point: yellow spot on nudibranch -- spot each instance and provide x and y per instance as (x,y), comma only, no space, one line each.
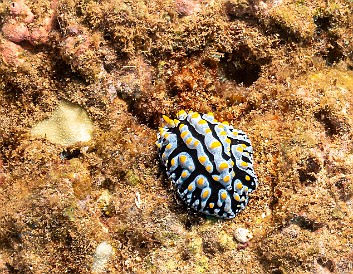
(208,168)
(236,197)
(181,113)
(210,114)
(200,181)
(226,179)
(202,122)
(188,141)
(190,187)
(205,194)
(240,149)
(208,130)
(223,133)
(181,126)
(211,205)
(223,166)
(169,146)
(184,174)
(226,123)
(195,115)
(172,162)
(244,145)
(169,121)
(183,134)
(247,177)
(228,141)
(239,185)
(224,195)
(215,144)
(202,159)
(182,159)
(244,164)
(196,143)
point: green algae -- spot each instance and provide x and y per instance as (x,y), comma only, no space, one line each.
(70,213)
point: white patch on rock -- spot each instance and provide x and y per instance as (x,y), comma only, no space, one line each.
(101,257)
(67,125)
(242,235)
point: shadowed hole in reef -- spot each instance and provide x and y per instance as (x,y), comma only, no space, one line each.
(277,271)
(235,68)
(326,263)
(70,154)
(333,125)
(306,223)
(322,24)
(344,189)
(333,52)
(308,170)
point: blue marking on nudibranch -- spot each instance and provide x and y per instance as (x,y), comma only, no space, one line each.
(209,163)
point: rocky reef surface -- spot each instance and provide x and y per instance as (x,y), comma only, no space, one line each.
(89,195)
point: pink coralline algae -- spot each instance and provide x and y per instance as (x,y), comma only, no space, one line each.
(78,48)
(15,31)
(16,26)
(10,53)
(40,35)
(20,10)
(20,25)
(76,45)
(186,7)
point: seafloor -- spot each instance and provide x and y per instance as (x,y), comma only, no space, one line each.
(282,71)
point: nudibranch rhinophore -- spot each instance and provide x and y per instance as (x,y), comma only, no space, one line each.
(209,163)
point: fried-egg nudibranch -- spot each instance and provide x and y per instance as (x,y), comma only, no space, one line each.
(209,163)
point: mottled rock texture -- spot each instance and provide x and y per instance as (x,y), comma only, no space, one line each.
(279,70)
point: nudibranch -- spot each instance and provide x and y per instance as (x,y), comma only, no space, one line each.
(209,163)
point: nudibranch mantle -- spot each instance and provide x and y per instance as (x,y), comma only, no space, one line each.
(209,163)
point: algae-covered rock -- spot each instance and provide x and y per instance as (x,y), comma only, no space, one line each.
(281,71)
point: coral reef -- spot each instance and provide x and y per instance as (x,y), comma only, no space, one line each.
(279,70)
